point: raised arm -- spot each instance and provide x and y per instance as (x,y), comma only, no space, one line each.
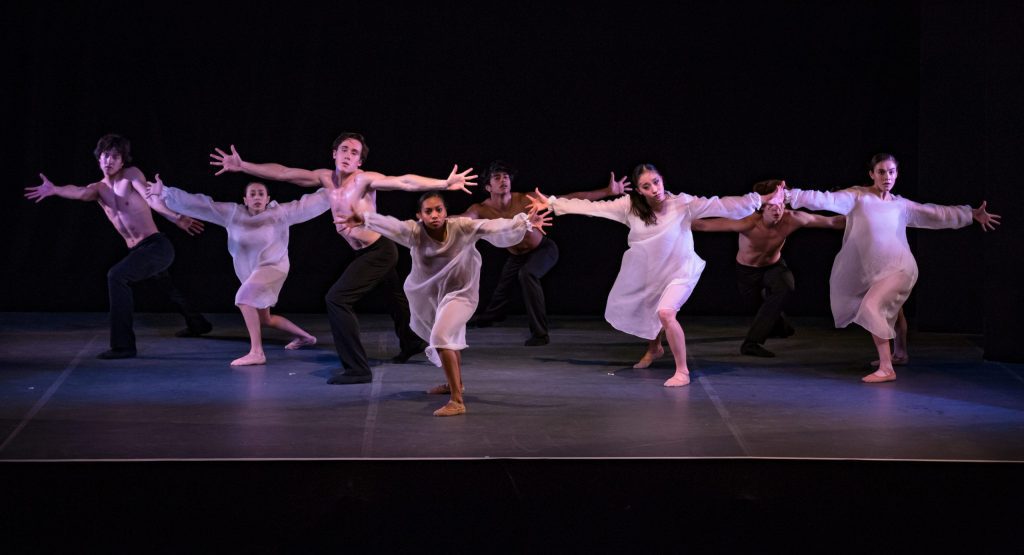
(307,207)
(456,181)
(193,205)
(138,181)
(614,188)
(840,202)
(617,209)
(233,163)
(73,192)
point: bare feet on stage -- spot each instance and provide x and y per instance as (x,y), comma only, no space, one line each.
(250,359)
(300,342)
(880,376)
(451,409)
(649,357)
(678,380)
(443,389)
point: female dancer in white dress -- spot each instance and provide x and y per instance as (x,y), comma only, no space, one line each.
(443,286)
(875,270)
(258,243)
(660,268)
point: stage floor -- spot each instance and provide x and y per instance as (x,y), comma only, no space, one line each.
(577,397)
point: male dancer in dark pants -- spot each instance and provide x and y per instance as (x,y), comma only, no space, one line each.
(123,196)
(528,261)
(354,190)
(761,273)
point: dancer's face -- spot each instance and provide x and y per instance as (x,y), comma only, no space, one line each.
(256,198)
(348,155)
(772,213)
(651,187)
(884,175)
(500,183)
(432,213)
(111,162)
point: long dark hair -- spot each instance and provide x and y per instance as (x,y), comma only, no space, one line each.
(638,204)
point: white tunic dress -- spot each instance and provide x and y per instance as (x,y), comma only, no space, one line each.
(660,268)
(875,271)
(443,286)
(258,244)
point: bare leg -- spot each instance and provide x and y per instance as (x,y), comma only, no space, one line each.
(302,337)
(654,351)
(252,322)
(899,344)
(451,361)
(885,373)
(677,344)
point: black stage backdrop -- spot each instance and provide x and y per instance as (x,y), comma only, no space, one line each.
(717,96)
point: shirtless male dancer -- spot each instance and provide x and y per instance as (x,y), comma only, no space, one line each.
(531,258)
(761,271)
(354,190)
(123,196)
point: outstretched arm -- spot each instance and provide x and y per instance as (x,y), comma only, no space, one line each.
(806,219)
(192,205)
(721,225)
(397,230)
(233,163)
(614,188)
(48,189)
(138,181)
(456,181)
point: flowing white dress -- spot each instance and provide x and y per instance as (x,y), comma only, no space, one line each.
(660,268)
(258,244)
(443,286)
(875,271)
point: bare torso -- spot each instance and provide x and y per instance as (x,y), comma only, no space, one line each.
(346,196)
(491,209)
(126,209)
(761,244)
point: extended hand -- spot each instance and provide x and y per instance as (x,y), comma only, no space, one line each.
(459,181)
(155,188)
(350,221)
(227,162)
(538,201)
(539,220)
(189,225)
(42,191)
(617,187)
(987,221)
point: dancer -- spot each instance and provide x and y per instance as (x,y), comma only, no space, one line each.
(660,268)
(530,259)
(258,243)
(761,272)
(443,286)
(121,193)
(875,271)
(351,189)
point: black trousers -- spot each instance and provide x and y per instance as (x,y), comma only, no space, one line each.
(765,289)
(152,256)
(373,266)
(526,270)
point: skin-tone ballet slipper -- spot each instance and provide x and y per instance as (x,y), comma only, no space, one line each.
(451,409)
(250,360)
(649,358)
(880,376)
(678,380)
(300,342)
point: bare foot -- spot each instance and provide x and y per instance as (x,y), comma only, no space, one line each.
(443,389)
(897,360)
(451,409)
(300,342)
(250,359)
(649,357)
(879,376)
(678,380)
